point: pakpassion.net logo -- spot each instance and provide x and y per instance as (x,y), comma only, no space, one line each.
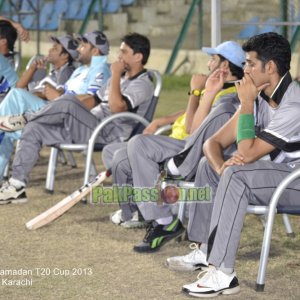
(169,195)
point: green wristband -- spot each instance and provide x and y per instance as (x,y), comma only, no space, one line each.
(246,129)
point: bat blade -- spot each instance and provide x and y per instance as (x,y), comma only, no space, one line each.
(61,207)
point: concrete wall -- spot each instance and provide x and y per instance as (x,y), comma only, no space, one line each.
(196,60)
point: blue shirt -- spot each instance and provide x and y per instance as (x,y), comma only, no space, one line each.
(88,79)
(8,76)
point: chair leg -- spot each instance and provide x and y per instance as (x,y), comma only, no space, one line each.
(93,170)
(264,255)
(88,164)
(181,209)
(288,226)
(6,171)
(62,157)
(51,170)
(71,159)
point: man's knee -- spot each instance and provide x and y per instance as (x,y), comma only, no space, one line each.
(31,132)
(120,162)
(107,156)
(203,166)
(236,172)
(12,95)
(136,143)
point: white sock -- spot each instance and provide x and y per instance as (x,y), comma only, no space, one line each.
(203,248)
(172,167)
(16,183)
(225,270)
(164,221)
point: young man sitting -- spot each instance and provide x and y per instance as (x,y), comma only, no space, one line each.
(266,124)
(84,81)
(69,120)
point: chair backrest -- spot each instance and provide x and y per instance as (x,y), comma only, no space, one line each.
(73,9)
(83,10)
(96,6)
(268,27)
(127,2)
(139,127)
(249,30)
(61,6)
(27,5)
(17,60)
(156,78)
(32,59)
(112,6)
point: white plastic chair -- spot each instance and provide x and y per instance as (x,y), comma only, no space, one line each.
(90,147)
(268,211)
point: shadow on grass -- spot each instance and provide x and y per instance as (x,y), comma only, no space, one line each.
(254,255)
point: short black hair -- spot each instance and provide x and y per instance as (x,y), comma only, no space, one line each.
(70,58)
(236,71)
(271,46)
(8,32)
(139,44)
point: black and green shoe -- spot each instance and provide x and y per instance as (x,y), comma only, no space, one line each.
(157,235)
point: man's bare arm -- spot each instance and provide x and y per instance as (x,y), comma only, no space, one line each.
(159,122)
(115,98)
(213,148)
(250,149)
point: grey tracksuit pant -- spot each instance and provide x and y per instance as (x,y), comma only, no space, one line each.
(232,192)
(146,152)
(115,158)
(62,121)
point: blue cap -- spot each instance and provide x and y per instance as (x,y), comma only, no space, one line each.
(231,50)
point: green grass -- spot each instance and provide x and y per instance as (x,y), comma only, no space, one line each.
(174,95)
(24,62)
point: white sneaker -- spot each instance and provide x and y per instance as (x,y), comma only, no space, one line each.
(134,222)
(11,194)
(195,260)
(12,123)
(116,217)
(211,283)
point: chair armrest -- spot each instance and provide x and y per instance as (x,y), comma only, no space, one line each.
(269,226)
(163,129)
(99,128)
(155,74)
(107,120)
(281,187)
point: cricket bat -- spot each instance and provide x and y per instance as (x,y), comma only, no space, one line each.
(61,207)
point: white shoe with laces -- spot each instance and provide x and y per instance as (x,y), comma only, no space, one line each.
(211,283)
(12,123)
(134,222)
(11,194)
(195,260)
(116,217)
